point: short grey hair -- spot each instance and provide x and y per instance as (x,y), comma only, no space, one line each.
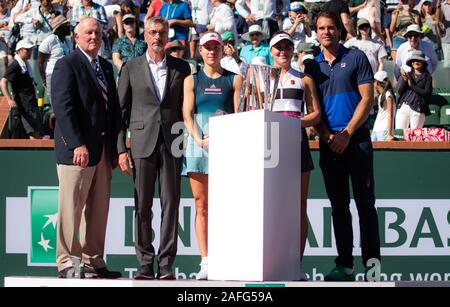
(157,19)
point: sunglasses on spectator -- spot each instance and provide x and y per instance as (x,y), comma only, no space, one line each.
(413,35)
(129,22)
(153,33)
(364,26)
(229,42)
(255,34)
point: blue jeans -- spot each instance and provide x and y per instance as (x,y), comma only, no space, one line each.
(355,163)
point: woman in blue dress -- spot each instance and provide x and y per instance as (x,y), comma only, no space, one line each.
(212,91)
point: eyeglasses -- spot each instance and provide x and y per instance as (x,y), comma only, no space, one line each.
(229,42)
(128,22)
(255,34)
(153,33)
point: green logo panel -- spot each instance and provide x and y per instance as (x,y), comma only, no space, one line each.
(44,212)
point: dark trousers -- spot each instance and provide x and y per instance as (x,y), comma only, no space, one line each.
(163,165)
(15,126)
(356,163)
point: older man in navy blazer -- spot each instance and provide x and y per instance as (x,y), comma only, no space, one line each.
(88,120)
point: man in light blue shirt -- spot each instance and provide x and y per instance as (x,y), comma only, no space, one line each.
(414,35)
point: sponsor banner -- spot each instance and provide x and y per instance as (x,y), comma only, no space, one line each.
(408,227)
(413,227)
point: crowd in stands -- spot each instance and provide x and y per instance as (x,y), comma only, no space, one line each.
(411,33)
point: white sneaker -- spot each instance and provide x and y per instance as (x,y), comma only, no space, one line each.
(203,274)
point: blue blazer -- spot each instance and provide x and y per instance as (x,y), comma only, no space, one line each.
(83,117)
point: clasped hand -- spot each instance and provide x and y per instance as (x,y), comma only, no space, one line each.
(338,142)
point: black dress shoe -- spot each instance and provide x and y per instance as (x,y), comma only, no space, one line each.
(145,272)
(166,273)
(101,273)
(71,272)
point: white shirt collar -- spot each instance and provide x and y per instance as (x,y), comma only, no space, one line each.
(87,55)
(410,48)
(151,62)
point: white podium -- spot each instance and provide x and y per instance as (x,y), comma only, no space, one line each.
(254,197)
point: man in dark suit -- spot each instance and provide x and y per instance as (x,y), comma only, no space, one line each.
(88,121)
(151,95)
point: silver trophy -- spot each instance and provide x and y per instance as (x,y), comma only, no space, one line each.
(257,89)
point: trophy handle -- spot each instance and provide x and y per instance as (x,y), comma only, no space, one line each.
(243,97)
(276,79)
(259,98)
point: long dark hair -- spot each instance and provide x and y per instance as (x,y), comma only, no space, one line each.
(387,86)
(424,70)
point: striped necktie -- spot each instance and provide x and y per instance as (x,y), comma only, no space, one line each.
(101,79)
